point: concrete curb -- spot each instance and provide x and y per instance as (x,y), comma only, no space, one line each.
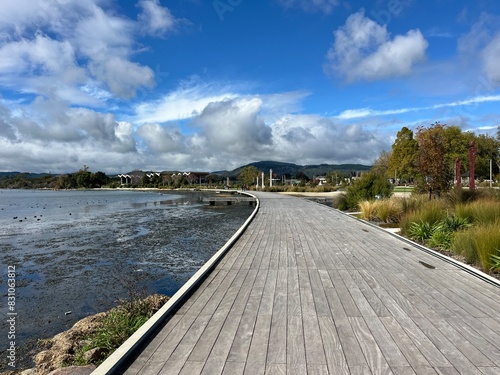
(120,356)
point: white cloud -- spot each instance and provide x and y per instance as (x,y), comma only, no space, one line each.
(80,42)
(187,101)
(57,126)
(491,60)
(163,139)
(311,139)
(324,6)
(350,114)
(483,41)
(121,76)
(155,19)
(234,126)
(363,50)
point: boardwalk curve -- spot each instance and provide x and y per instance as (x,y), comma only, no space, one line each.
(308,290)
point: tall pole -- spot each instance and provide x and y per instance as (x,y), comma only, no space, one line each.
(472,164)
(263,181)
(270,178)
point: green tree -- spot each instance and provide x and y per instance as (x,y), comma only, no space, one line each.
(248,175)
(381,165)
(487,148)
(457,146)
(402,162)
(435,173)
(99,179)
(302,177)
(370,186)
(66,181)
(145,181)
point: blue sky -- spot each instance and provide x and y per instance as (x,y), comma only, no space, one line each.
(211,85)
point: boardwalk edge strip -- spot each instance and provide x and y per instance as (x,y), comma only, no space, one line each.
(120,355)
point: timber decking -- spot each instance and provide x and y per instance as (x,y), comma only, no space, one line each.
(308,290)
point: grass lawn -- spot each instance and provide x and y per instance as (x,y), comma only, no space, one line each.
(403,189)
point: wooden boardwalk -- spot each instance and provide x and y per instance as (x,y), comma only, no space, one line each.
(307,290)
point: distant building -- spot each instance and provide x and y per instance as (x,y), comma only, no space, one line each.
(321,180)
(134,177)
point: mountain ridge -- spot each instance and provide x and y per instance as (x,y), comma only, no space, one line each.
(291,169)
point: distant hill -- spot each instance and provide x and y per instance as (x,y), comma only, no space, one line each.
(293,169)
(25,174)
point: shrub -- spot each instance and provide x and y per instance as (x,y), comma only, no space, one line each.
(340,203)
(421,230)
(367,187)
(457,196)
(441,237)
(455,223)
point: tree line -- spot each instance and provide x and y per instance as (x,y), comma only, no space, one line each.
(427,158)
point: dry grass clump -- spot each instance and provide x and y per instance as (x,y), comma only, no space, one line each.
(382,210)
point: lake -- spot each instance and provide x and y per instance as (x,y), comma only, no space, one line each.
(77,252)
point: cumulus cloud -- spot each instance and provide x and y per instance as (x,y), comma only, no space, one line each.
(324,6)
(309,139)
(83,44)
(162,139)
(155,19)
(233,126)
(364,50)
(50,133)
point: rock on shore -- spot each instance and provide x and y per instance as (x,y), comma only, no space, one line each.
(60,350)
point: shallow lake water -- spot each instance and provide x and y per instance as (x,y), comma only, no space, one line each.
(77,252)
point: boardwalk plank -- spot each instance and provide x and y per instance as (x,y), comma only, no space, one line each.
(277,336)
(374,357)
(335,357)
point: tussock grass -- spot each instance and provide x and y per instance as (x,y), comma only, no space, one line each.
(367,209)
(389,210)
(383,210)
(480,212)
(478,244)
(431,213)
